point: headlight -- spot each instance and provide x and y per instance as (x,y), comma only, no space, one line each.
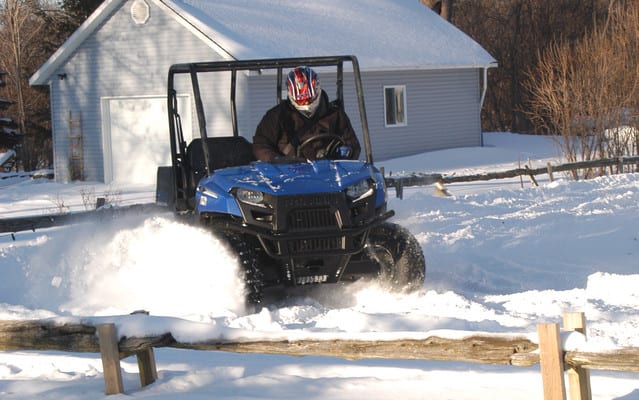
(249,196)
(359,190)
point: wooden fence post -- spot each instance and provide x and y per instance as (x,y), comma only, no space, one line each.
(521,180)
(620,165)
(531,176)
(146,361)
(578,378)
(146,365)
(108,340)
(551,361)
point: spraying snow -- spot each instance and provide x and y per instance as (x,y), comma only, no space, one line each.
(155,264)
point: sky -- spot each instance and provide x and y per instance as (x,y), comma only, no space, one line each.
(501,257)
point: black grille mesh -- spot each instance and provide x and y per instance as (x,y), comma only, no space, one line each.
(312,218)
(318,244)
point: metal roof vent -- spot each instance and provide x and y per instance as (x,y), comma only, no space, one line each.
(140,12)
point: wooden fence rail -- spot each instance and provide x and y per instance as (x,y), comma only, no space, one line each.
(476,347)
(31,223)
(418,179)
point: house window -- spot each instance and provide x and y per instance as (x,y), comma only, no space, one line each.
(395,105)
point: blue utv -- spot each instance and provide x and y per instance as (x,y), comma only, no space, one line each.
(305,222)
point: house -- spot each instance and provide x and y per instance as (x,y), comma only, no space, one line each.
(424,80)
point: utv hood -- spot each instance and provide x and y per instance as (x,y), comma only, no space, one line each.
(290,179)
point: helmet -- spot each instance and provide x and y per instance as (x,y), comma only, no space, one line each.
(304,90)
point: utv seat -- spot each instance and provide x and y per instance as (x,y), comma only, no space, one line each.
(224,152)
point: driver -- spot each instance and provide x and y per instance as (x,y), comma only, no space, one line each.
(306,113)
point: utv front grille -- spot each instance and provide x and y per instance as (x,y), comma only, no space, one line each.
(320,211)
(296,246)
(316,223)
(312,218)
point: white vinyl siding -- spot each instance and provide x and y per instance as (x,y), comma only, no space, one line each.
(443,106)
(119,59)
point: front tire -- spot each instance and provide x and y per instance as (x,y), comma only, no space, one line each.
(249,269)
(402,267)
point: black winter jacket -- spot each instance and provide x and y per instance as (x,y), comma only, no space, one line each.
(283,129)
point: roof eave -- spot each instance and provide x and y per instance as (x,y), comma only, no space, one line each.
(482,65)
(197,28)
(43,75)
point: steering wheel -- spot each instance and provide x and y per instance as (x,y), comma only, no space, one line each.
(335,141)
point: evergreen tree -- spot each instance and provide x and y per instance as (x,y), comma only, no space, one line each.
(9,137)
(77,11)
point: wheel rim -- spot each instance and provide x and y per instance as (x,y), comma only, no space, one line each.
(384,258)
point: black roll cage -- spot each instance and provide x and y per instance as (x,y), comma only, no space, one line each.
(178,145)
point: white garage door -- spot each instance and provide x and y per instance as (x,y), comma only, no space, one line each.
(136,137)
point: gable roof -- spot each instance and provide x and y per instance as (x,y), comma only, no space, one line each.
(383,34)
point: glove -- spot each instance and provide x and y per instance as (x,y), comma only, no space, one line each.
(287,160)
(343,152)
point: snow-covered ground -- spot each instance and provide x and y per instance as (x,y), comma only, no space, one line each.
(502,256)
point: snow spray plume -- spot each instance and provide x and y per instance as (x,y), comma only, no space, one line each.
(155,264)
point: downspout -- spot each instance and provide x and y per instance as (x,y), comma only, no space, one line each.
(484,88)
(483,94)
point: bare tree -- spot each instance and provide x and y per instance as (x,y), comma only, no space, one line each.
(586,93)
(30,31)
(514,31)
(22,29)
(16,17)
(441,7)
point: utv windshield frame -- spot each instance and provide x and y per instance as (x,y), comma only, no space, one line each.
(178,144)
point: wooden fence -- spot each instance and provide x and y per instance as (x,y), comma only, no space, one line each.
(417,179)
(475,347)
(33,222)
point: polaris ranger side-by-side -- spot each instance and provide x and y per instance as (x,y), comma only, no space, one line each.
(292,223)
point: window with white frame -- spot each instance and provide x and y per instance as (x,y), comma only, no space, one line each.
(395,105)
